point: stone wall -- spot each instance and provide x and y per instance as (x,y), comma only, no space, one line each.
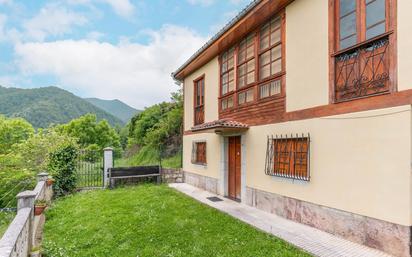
(388,237)
(172,175)
(203,182)
(20,236)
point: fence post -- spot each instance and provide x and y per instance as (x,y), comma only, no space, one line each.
(107,164)
(42,176)
(25,199)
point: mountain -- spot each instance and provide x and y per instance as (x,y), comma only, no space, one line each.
(115,107)
(48,105)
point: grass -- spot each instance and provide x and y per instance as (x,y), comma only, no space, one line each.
(149,156)
(5,219)
(151,220)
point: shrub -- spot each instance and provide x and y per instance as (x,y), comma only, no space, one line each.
(62,166)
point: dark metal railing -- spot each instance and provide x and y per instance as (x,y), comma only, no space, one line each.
(89,169)
(288,156)
(362,71)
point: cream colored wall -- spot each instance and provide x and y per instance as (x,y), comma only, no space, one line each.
(404,44)
(306,54)
(213,154)
(211,71)
(359,163)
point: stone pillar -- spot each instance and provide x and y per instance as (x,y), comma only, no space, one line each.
(25,199)
(108,164)
(42,176)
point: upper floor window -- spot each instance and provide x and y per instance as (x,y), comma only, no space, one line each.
(253,69)
(246,62)
(199,111)
(360,20)
(227,73)
(270,57)
(362,49)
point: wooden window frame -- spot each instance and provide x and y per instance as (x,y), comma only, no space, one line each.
(240,63)
(257,53)
(334,41)
(221,74)
(197,106)
(288,157)
(195,153)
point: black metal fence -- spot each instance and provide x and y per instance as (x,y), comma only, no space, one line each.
(90,169)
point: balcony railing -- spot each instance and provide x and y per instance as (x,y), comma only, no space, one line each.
(362,71)
(199,115)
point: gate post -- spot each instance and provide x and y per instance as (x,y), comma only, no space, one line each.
(107,164)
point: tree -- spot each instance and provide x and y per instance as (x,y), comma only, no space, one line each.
(89,131)
(13,131)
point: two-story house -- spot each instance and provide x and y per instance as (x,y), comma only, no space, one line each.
(303,109)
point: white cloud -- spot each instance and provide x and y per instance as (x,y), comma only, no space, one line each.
(123,8)
(52,20)
(3,20)
(6,1)
(138,74)
(95,35)
(201,2)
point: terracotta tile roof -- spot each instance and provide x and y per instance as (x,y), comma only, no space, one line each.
(220,124)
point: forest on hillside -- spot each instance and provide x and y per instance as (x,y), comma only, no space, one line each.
(46,106)
(152,135)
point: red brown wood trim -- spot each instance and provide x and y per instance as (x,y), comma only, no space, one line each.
(366,104)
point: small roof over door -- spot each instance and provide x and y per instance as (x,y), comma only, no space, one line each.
(222,126)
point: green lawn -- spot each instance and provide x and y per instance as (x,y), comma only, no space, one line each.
(5,219)
(150,220)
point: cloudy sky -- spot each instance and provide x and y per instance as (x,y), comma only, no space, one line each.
(124,49)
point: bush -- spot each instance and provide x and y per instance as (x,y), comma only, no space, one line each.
(62,166)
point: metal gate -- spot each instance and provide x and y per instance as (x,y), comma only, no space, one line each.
(90,169)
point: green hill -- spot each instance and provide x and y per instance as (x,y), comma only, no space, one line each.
(48,105)
(115,107)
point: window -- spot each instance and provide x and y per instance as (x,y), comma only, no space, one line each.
(360,20)
(270,89)
(254,68)
(199,100)
(227,74)
(246,96)
(199,153)
(270,58)
(362,62)
(288,157)
(227,103)
(246,62)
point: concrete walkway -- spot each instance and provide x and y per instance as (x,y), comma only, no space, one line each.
(312,240)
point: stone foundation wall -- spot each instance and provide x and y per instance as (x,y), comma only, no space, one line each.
(203,182)
(385,236)
(172,175)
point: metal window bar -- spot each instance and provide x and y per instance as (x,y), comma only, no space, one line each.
(288,156)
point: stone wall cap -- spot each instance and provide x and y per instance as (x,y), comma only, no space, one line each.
(108,149)
(43,174)
(26,194)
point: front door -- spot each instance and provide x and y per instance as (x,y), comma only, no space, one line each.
(234,167)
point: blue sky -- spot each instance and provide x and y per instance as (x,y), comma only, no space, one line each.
(124,49)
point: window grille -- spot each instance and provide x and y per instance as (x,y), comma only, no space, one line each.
(288,157)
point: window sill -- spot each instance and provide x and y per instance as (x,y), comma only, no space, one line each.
(200,164)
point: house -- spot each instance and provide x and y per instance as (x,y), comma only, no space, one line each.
(303,109)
